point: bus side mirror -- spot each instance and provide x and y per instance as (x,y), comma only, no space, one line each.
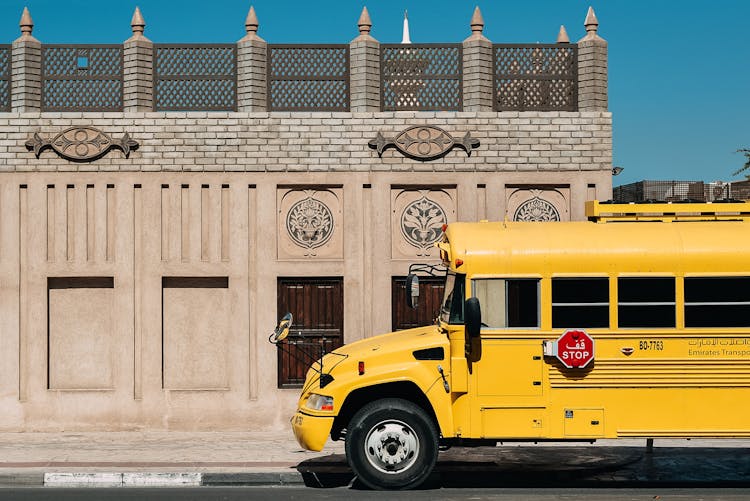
(412,291)
(282,330)
(472,317)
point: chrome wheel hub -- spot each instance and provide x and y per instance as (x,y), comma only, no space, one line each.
(391,446)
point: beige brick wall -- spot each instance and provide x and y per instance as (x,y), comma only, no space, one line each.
(307,142)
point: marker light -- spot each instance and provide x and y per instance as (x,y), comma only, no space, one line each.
(361,368)
(319,403)
(444,227)
(459,262)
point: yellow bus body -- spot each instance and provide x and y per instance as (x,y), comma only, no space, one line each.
(675,381)
(696,384)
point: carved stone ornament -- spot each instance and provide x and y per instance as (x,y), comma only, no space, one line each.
(422,223)
(309,223)
(536,209)
(423,142)
(81,144)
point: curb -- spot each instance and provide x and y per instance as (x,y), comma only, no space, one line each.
(106,479)
(255,478)
(21,479)
(149,479)
(164,479)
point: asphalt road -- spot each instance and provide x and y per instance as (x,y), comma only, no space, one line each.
(346,493)
(538,473)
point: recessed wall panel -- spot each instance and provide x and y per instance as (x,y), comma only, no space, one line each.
(81,333)
(196,321)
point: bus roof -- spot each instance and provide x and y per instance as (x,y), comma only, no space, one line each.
(587,248)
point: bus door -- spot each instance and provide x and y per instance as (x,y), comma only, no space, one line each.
(507,366)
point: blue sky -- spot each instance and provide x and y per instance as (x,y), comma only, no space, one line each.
(679,72)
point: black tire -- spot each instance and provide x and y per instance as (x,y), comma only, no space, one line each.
(392,444)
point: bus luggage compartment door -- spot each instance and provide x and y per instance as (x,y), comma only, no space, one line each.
(584,422)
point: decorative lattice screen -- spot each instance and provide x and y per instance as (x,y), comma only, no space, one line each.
(308,77)
(82,77)
(196,77)
(5,77)
(421,77)
(667,191)
(540,77)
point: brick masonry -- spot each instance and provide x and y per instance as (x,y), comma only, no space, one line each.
(330,142)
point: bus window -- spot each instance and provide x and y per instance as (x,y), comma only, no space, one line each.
(580,302)
(452,311)
(646,301)
(717,302)
(508,302)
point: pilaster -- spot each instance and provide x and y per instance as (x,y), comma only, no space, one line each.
(138,71)
(26,71)
(478,67)
(252,54)
(364,54)
(592,68)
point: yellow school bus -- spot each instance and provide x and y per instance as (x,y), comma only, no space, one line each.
(635,323)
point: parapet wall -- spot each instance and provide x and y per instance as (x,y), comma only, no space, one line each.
(253,76)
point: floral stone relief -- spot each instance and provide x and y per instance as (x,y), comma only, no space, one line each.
(534,204)
(310,223)
(420,216)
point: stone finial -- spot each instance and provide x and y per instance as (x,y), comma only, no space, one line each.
(137,24)
(364,22)
(251,22)
(477,26)
(562,36)
(365,25)
(26,23)
(477,22)
(251,26)
(592,25)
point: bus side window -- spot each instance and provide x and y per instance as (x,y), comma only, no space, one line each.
(646,302)
(580,302)
(508,303)
(717,301)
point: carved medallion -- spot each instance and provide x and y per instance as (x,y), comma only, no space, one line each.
(536,209)
(423,142)
(422,222)
(309,223)
(81,144)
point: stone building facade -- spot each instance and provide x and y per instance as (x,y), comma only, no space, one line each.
(146,253)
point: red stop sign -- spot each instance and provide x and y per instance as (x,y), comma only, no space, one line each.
(575,349)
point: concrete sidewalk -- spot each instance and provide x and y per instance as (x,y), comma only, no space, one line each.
(209,449)
(167,457)
(274,458)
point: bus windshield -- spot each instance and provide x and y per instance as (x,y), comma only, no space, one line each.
(452,309)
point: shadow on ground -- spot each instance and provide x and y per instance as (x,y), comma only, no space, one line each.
(541,467)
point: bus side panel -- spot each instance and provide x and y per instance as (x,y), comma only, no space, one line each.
(658,384)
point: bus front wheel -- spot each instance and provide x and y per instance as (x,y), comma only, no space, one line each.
(392,444)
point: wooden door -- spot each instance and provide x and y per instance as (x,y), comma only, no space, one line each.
(430,297)
(317,305)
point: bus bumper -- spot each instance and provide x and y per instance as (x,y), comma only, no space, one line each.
(311,431)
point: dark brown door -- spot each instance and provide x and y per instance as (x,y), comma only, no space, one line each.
(317,305)
(430,296)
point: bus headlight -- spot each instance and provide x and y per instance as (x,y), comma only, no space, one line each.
(319,403)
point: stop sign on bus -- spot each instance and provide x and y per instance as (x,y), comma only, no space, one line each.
(575,349)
